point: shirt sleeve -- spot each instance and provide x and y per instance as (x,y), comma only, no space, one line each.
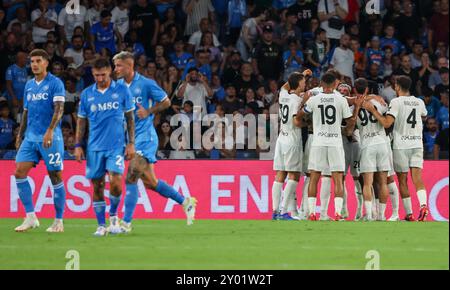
(423,108)
(59,93)
(82,112)
(393,109)
(128,100)
(155,92)
(346,112)
(309,106)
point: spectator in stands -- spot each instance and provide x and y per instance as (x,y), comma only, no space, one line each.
(289,30)
(201,63)
(267,59)
(74,54)
(441,145)
(231,66)
(332,14)
(406,70)
(21,19)
(249,33)
(93,13)
(435,78)
(389,40)
(408,23)
(343,58)
(293,58)
(104,35)
(231,103)
(68,22)
(120,17)
(196,37)
(416,55)
(196,10)
(317,52)
(431,102)
(439,26)
(44,20)
(16,78)
(442,114)
(430,135)
(207,43)
(245,80)
(145,20)
(6,127)
(179,57)
(444,86)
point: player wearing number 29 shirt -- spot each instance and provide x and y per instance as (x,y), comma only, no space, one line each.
(288,150)
(327,152)
(406,113)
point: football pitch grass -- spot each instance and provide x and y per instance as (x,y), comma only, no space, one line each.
(229,245)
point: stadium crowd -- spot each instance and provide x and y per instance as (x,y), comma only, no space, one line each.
(227,56)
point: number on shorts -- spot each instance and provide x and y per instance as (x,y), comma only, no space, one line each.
(54,158)
(119,160)
(328,114)
(412,119)
(284,112)
(356,164)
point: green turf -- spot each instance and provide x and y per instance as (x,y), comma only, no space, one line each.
(170,244)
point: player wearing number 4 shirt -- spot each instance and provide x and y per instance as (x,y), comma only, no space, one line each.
(41,125)
(406,113)
(329,110)
(288,151)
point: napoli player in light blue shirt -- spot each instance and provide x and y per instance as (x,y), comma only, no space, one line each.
(150,99)
(41,125)
(106,105)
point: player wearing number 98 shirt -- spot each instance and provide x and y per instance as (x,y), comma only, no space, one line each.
(327,153)
(41,125)
(406,113)
(288,150)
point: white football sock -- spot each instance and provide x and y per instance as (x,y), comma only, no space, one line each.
(422,196)
(305,206)
(338,202)
(395,197)
(325,192)
(368,207)
(312,205)
(359,198)
(344,205)
(276,195)
(408,206)
(288,195)
(382,212)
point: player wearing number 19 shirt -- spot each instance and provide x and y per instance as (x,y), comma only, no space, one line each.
(41,120)
(329,110)
(288,149)
(406,113)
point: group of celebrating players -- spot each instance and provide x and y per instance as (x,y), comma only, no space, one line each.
(104,108)
(349,130)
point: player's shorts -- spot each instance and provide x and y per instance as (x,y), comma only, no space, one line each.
(147,150)
(288,158)
(375,158)
(391,160)
(404,159)
(306,153)
(326,159)
(35,151)
(352,157)
(100,162)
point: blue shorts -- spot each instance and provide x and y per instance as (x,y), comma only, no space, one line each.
(100,162)
(34,152)
(147,150)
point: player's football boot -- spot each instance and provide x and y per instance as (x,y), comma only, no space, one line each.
(367,219)
(424,211)
(275,216)
(394,218)
(125,227)
(312,217)
(345,214)
(324,218)
(286,217)
(410,218)
(339,218)
(56,227)
(101,232)
(189,209)
(114,227)
(29,223)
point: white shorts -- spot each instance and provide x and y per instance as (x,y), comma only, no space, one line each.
(288,158)
(326,159)
(352,157)
(306,153)
(375,158)
(404,159)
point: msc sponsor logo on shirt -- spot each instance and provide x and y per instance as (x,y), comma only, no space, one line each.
(105,107)
(37,97)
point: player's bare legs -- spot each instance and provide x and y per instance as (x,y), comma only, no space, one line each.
(404,193)
(338,194)
(25,195)
(383,193)
(140,168)
(325,194)
(277,190)
(367,193)
(359,184)
(304,204)
(312,194)
(416,175)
